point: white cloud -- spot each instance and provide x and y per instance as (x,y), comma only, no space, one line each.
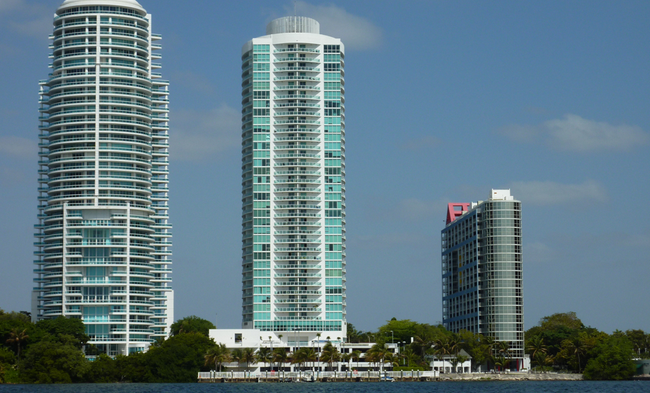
(200,135)
(551,193)
(18,147)
(574,133)
(357,33)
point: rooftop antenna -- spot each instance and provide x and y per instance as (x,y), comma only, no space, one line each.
(294,8)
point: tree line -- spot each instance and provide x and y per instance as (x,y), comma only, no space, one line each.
(52,351)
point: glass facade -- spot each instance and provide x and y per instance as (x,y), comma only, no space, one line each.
(293,181)
(482,273)
(103,248)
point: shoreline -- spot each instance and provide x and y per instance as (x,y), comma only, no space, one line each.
(510,377)
(468,377)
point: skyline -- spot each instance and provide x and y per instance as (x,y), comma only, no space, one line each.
(482,91)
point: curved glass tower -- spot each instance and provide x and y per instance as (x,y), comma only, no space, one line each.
(293,182)
(482,272)
(103,235)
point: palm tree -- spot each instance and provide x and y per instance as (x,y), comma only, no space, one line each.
(356,355)
(500,361)
(409,355)
(576,346)
(311,356)
(377,354)
(218,355)
(373,357)
(422,344)
(237,355)
(345,357)
(280,356)
(264,355)
(330,354)
(248,356)
(488,343)
(17,338)
(536,346)
(544,360)
(298,357)
(503,349)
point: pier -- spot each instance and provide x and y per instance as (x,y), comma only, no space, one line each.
(322,376)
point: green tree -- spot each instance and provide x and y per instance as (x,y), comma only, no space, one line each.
(53,362)
(377,354)
(65,330)
(576,346)
(459,359)
(638,338)
(248,356)
(299,357)
(17,339)
(178,359)
(503,353)
(330,354)
(536,346)
(280,356)
(102,370)
(612,360)
(264,355)
(217,355)
(237,355)
(355,356)
(353,334)
(191,324)
(398,330)
(568,319)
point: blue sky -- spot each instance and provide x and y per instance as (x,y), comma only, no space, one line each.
(444,101)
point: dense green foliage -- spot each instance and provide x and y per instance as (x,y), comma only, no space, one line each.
(611,359)
(191,324)
(562,342)
(52,351)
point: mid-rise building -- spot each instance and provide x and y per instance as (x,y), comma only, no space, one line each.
(482,287)
(293,182)
(103,248)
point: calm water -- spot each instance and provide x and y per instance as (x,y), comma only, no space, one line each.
(366,387)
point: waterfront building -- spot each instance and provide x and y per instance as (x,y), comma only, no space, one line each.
(482,289)
(293,182)
(103,249)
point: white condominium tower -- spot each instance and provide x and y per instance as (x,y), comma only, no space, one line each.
(103,237)
(293,182)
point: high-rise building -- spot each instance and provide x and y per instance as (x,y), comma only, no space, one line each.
(482,289)
(103,249)
(293,182)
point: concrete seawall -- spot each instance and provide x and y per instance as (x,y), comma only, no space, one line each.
(511,377)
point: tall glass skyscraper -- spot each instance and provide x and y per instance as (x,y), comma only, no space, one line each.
(103,248)
(293,182)
(482,283)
